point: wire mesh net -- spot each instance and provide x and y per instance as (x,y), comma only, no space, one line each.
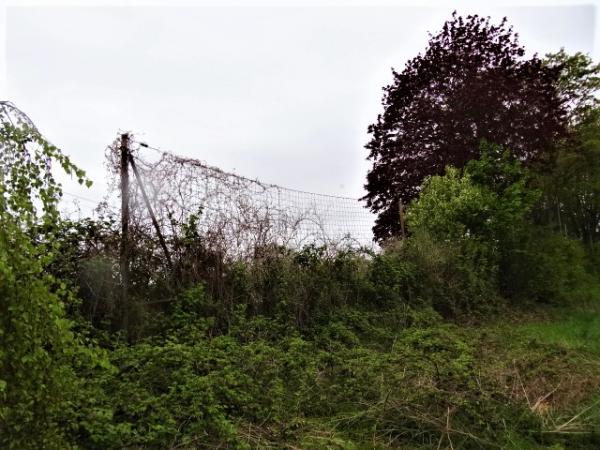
(239,215)
(11,115)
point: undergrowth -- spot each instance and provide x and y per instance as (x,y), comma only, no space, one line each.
(401,379)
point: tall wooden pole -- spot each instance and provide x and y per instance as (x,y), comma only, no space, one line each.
(124,254)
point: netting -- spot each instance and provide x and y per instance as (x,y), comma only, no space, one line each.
(240,215)
(11,115)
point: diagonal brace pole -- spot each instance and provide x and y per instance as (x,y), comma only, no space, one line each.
(151,211)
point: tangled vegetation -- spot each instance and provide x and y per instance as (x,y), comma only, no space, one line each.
(479,329)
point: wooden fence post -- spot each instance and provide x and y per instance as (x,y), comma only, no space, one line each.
(124,250)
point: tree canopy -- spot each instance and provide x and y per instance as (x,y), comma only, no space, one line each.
(473,82)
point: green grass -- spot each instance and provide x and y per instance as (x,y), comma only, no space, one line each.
(575,330)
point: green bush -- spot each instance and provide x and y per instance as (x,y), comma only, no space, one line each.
(300,288)
(199,391)
(475,241)
(546,267)
(37,381)
(456,280)
(40,355)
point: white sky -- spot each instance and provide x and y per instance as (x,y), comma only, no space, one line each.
(282,94)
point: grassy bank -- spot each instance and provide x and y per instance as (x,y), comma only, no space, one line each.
(403,379)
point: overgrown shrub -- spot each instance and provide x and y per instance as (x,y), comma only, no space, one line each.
(475,238)
(545,267)
(40,354)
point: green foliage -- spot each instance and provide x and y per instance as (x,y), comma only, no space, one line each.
(546,267)
(299,288)
(485,214)
(26,180)
(578,82)
(451,207)
(486,203)
(304,349)
(593,253)
(37,344)
(464,225)
(199,391)
(572,189)
(576,330)
(38,380)
(457,280)
(356,382)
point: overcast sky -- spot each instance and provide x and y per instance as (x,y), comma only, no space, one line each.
(282,94)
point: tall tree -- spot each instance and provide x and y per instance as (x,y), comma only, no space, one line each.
(578,83)
(572,189)
(472,83)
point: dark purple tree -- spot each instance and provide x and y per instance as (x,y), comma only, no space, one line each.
(472,83)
